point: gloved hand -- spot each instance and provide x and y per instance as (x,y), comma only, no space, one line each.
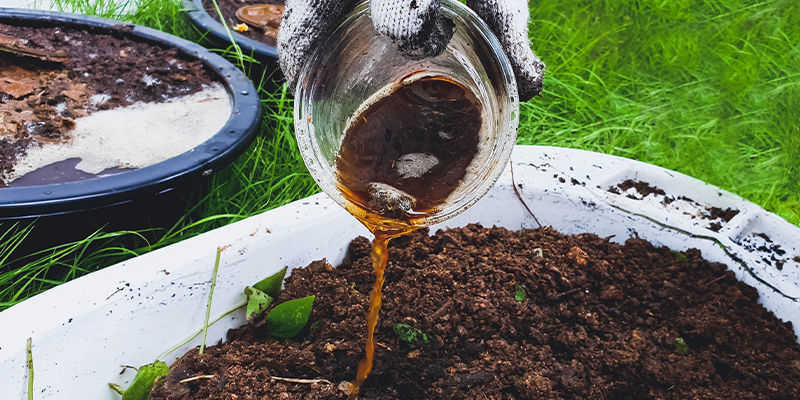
(415,26)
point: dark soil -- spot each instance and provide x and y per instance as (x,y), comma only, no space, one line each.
(39,99)
(720,215)
(771,253)
(600,321)
(726,214)
(644,188)
(229,7)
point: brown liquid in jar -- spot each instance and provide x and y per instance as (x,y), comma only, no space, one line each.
(407,152)
(399,161)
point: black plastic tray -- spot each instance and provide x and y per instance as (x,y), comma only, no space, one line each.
(217,36)
(145,184)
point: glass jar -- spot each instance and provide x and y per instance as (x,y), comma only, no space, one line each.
(356,64)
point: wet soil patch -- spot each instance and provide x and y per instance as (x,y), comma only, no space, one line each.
(229,7)
(533,314)
(40,97)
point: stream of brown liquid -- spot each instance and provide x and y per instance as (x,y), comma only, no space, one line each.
(399,161)
(380,255)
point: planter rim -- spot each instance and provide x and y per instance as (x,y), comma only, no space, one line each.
(217,151)
(197,15)
(131,312)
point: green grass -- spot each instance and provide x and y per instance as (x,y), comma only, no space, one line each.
(709,88)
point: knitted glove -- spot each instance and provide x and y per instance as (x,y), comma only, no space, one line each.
(415,26)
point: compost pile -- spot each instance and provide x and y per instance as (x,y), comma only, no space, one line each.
(53,75)
(477,313)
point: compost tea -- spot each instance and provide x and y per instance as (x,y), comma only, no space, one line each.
(477,313)
(405,154)
(402,156)
(99,96)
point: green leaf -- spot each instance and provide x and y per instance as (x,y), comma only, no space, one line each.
(287,319)
(272,284)
(679,256)
(257,302)
(519,293)
(681,346)
(145,379)
(411,335)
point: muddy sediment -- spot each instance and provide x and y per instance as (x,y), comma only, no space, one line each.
(41,97)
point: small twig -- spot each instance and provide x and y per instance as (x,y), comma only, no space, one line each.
(196,378)
(519,196)
(29,352)
(298,380)
(210,297)
(379,344)
(715,280)
(564,294)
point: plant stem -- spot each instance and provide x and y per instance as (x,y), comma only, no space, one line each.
(236,47)
(210,297)
(117,388)
(199,331)
(29,351)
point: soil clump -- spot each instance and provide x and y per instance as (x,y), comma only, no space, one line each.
(498,314)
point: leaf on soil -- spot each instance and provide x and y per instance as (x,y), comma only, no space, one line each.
(272,284)
(145,379)
(681,346)
(257,302)
(679,256)
(519,293)
(287,319)
(411,335)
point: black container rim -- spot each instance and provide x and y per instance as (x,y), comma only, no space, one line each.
(214,153)
(197,15)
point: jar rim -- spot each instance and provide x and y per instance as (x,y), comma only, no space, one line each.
(324,174)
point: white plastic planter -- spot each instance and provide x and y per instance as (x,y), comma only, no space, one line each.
(130,313)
